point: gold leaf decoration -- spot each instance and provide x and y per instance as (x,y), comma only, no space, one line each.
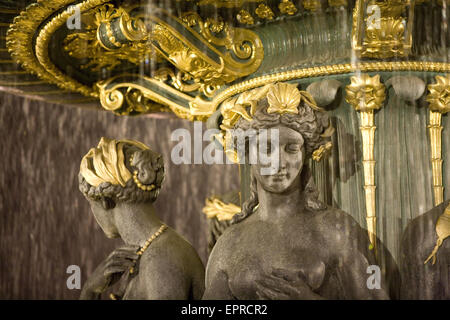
(283,98)
(365,93)
(287,7)
(86,46)
(245,17)
(264,12)
(439,96)
(215,208)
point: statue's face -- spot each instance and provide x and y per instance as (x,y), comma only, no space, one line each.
(105,219)
(291,158)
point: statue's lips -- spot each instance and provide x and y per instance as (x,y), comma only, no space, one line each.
(279,176)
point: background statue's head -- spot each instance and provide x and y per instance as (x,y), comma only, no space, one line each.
(119,171)
(303,132)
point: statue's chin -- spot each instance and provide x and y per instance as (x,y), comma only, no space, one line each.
(277,187)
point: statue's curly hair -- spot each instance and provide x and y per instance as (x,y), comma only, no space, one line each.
(311,124)
(150,167)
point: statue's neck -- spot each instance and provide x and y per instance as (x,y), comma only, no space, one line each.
(273,206)
(136,222)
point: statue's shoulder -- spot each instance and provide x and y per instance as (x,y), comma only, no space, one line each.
(230,237)
(172,251)
(335,217)
(339,227)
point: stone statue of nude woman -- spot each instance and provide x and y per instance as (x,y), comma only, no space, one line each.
(121,179)
(286,244)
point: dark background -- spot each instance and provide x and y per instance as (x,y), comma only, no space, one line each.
(45,222)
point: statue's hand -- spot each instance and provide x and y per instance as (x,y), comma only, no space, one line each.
(285,285)
(110,270)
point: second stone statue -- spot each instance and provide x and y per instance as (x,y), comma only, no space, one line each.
(121,179)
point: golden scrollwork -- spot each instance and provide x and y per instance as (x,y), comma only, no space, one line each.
(21,35)
(216,208)
(179,80)
(243,44)
(439,104)
(245,17)
(136,102)
(367,94)
(88,44)
(264,12)
(135,97)
(287,7)
(382,28)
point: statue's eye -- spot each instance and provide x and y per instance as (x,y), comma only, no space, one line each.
(293,147)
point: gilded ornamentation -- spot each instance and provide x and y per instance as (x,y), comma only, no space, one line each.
(439,104)
(130,102)
(181,81)
(129,99)
(245,17)
(439,96)
(242,106)
(108,163)
(129,94)
(215,208)
(382,29)
(189,61)
(323,149)
(442,231)
(264,12)
(326,71)
(283,98)
(21,35)
(287,7)
(367,94)
(87,46)
(240,43)
(312,5)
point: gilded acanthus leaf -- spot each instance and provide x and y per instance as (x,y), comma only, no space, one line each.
(365,93)
(439,94)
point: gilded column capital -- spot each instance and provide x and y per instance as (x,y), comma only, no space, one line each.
(365,93)
(439,94)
